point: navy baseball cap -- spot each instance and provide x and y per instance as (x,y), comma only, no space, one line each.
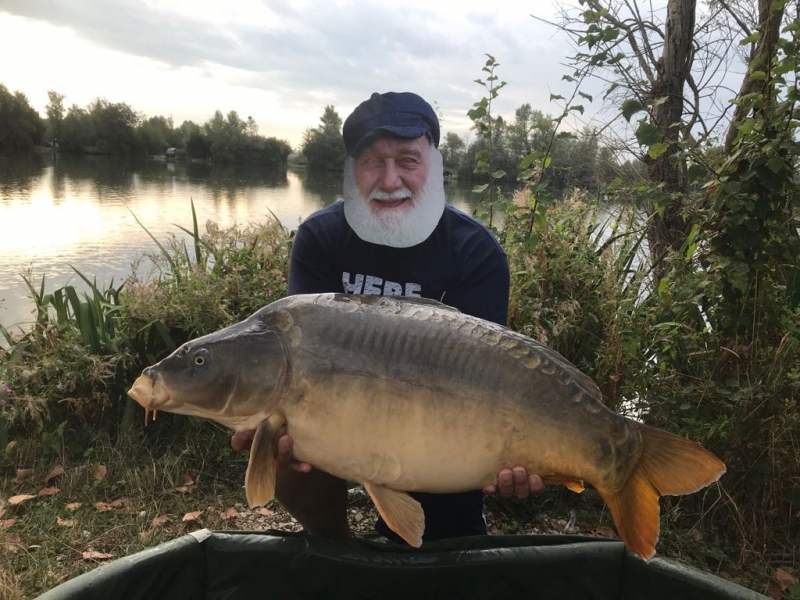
(402,114)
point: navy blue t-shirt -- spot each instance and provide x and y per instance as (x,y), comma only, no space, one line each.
(460,264)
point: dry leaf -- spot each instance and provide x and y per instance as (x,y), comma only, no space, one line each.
(102,506)
(228,514)
(119,502)
(54,472)
(696,535)
(265,512)
(784,578)
(66,522)
(604,531)
(2,512)
(49,491)
(92,555)
(15,500)
(73,506)
(7,523)
(99,472)
(23,474)
(11,542)
(159,521)
(191,516)
(187,484)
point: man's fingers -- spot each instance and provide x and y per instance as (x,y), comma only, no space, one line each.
(284,455)
(520,477)
(242,440)
(536,484)
(505,483)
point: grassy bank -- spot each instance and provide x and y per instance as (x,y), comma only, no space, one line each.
(580,284)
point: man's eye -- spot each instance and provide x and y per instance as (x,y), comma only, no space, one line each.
(370,162)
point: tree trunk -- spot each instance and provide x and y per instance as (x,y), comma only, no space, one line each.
(669,230)
(769,23)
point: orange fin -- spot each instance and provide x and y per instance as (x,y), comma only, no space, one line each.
(259,481)
(669,465)
(401,512)
(676,465)
(576,485)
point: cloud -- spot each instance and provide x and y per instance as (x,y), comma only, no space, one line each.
(300,55)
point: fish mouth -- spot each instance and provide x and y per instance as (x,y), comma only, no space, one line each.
(149,394)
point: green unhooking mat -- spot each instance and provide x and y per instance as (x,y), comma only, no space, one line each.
(239,565)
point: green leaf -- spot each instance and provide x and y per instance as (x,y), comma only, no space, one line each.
(753,37)
(479,189)
(695,172)
(775,164)
(647,134)
(610,89)
(610,34)
(577,108)
(758,75)
(499,174)
(658,149)
(547,160)
(584,95)
(630,107)
(747,126)
(528,159)
(568,78)
(556,97)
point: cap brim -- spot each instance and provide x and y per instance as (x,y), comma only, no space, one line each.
(409,132)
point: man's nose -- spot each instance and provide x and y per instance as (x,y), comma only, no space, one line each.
(390,176)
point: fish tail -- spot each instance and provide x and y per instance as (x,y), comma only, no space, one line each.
(669,465)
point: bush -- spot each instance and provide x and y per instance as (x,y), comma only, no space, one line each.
(65,381)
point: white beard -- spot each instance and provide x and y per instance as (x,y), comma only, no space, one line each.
(398,229)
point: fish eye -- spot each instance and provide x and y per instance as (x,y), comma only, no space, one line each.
(200,357)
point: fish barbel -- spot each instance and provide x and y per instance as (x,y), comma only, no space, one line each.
(406,394)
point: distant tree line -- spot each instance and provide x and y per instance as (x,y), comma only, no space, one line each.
(578,160)
(105,127)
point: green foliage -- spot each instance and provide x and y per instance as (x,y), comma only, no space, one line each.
(227,275)
(55,114)
(230,139)
(66,379)
(157,134)
(21,127)
(323,146)
(575,283)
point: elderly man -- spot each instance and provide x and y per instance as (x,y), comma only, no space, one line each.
(394,235)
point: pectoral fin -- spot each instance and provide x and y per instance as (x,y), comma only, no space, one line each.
(576,485)
(401,512)
(259,481)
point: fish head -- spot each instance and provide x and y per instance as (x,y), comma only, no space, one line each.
(236,376)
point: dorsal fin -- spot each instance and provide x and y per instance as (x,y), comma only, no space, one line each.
(372,300)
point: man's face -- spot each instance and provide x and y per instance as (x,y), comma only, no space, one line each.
(392,172)
(394,192)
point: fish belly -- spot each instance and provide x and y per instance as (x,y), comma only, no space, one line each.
(408,437)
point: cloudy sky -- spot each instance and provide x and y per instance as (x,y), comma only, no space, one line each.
(279,61)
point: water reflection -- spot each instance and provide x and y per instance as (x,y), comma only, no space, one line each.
(60,212)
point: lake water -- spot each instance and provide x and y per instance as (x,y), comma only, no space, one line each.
(59,213)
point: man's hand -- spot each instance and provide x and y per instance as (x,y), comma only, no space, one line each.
(515,482)
(282,445)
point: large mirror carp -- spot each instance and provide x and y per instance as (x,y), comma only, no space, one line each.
(411,395)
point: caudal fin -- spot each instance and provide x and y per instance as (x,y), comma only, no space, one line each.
(669,465)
